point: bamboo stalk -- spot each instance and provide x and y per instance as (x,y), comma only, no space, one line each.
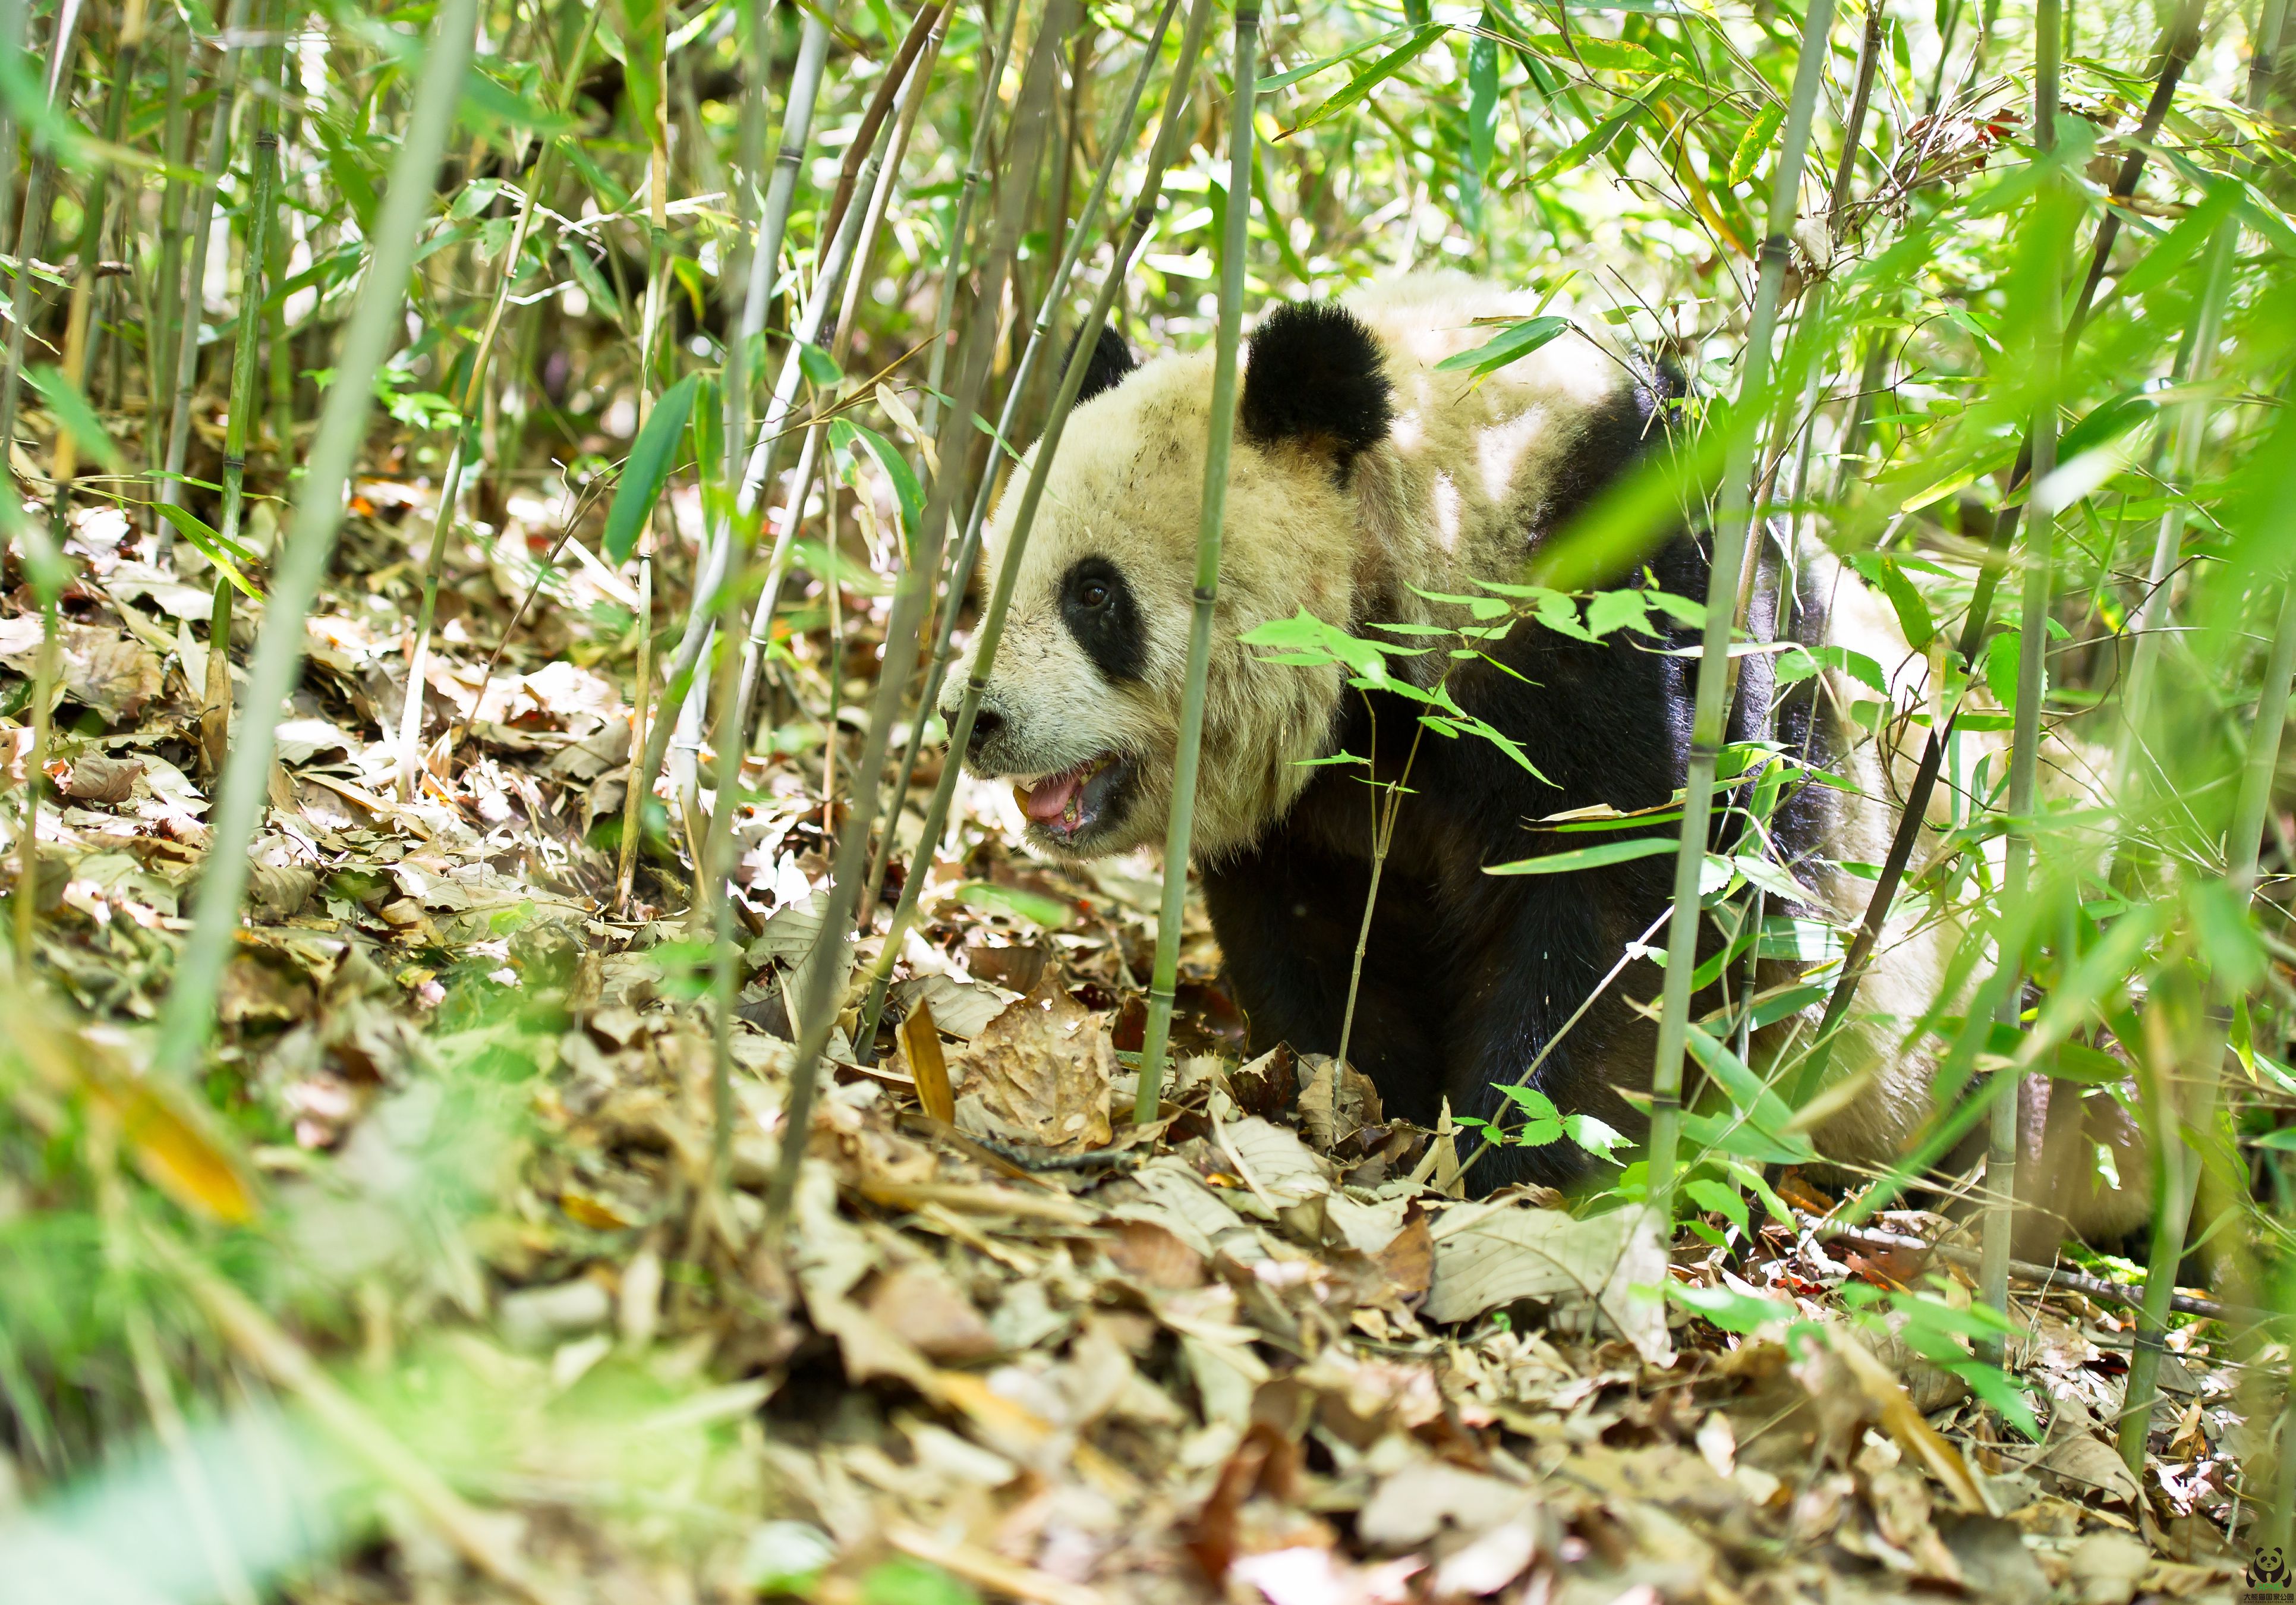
(675,711)
(188,1019)
(2191,425)
(64,467)
(169,492)
(1243,154)
(976,174)
(968,549)
(1730,538)
(2179,1185)
(167,281)
(31,229)
(215,718)
(730,677)
(897,80)
(2025,740)
(852,271)
(2188,1132)
(466,422)
(1916,807)
(991,632)
(11,44)
(638,784)
(823,968)
(712,899)
(1869,54)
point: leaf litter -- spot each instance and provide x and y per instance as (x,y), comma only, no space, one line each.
(1014,1345)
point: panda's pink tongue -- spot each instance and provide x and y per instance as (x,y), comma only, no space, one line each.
(1049,798)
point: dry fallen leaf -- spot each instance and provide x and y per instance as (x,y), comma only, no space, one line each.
(921,1051)
(1039,1074)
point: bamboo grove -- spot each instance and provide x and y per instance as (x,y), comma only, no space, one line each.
(1996,301)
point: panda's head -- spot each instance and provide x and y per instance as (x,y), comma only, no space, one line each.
(1082,707)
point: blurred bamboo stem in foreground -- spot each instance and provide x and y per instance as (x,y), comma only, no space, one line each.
(2179,1185)
(1243,154)
(1730,539)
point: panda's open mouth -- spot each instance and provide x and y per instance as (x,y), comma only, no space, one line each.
(1066,808)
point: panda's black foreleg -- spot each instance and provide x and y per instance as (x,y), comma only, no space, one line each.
(1531,953)
(1288,917)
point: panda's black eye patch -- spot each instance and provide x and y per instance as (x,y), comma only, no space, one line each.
(1096,604)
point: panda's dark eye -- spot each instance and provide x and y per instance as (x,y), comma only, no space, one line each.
(1097,602)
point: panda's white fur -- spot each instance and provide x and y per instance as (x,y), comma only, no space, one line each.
(1444,499)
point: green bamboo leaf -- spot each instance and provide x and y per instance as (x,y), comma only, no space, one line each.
(1510,344)
(648,469)
(1482,118)
(845,433)
(488,103)
(1585,858)
(818,366)
(1747,1093)
(643,27)
(1604,134)
(1729,1309)
(1035,907)
(1285,80)
(1592,50)
(209,544)
(1394,62)
(1758,134)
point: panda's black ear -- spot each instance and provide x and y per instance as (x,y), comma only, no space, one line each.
(1317,379)
(1111,362)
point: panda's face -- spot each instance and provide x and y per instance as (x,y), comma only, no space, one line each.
(1081,711)
(1081,708)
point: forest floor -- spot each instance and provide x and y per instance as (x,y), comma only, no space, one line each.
(1261,1350)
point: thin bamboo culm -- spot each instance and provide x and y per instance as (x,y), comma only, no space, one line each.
(968,548)
(994,58)
(188,1020)
(184,370)
(263,165)
(1220,423)
(1730,537)
(2177,1187)
(824,970)
(990,629)
(733,684)
(2025,741)
(674,710)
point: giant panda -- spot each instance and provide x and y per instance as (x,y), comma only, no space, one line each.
(1365,485)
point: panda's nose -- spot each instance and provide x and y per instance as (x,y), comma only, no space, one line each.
(988,725)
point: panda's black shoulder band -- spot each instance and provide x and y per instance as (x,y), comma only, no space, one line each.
(1316,378)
